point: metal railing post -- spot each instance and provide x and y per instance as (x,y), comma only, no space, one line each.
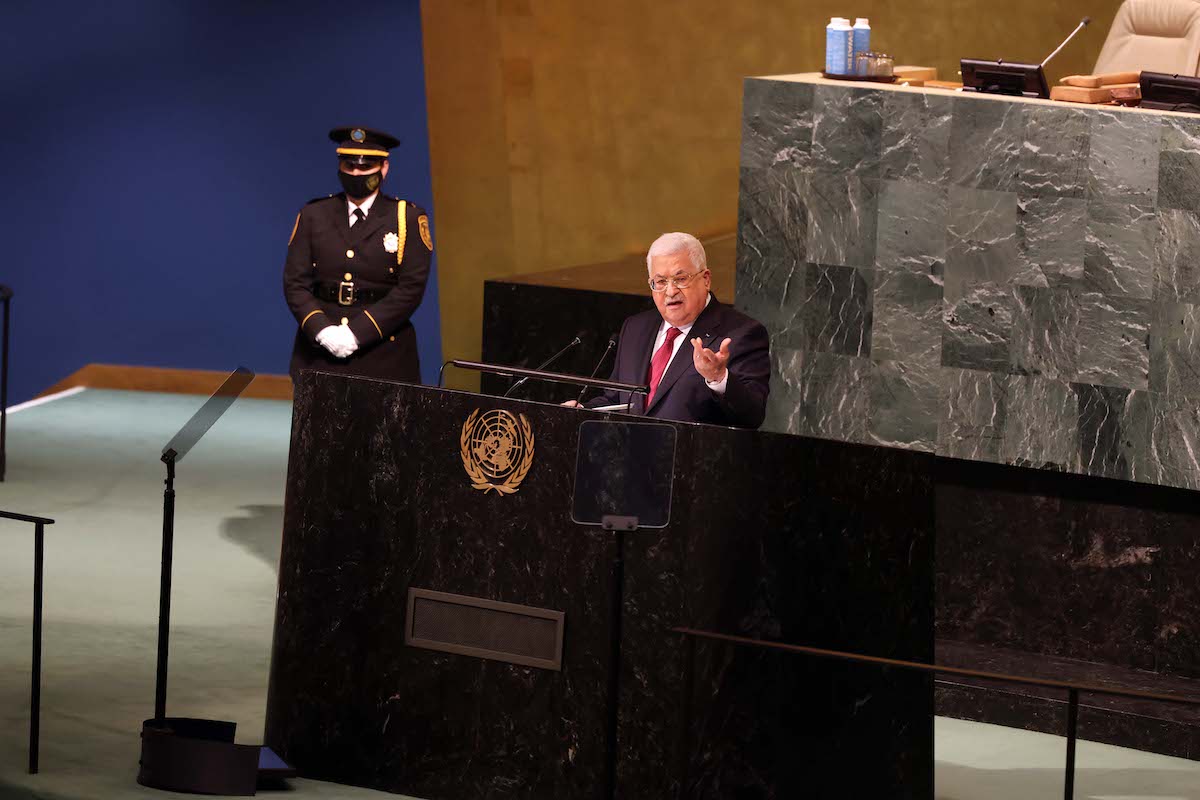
(1073,689)
(1072,729)
(685,728)
(35,688)
(5,296)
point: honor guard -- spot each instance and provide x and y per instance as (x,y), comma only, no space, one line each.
(357,263)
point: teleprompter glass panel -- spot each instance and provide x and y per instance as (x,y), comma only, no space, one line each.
(208,414)
(624,469)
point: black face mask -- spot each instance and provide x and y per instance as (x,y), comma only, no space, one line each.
(360,185)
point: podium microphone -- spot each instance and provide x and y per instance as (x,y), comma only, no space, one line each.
(1083,24)
(573,343)
(612,342)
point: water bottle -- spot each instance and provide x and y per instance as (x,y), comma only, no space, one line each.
(861,40)
(839,46)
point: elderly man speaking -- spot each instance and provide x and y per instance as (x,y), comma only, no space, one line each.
(723,375)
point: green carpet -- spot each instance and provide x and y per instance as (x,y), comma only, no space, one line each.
(90,461)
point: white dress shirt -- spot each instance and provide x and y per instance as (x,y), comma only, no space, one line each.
(719,386)
(366,207)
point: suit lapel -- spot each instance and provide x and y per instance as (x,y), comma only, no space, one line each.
(708,324)
(341,217)
(382,210)
(642,351)
(704,327)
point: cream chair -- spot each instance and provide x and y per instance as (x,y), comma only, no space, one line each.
(1154,35)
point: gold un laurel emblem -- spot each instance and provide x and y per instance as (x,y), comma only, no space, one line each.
(496,450)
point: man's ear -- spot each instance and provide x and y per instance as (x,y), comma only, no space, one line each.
(384,168)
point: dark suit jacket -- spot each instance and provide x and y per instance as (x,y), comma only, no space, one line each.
(682,393)
(324,249)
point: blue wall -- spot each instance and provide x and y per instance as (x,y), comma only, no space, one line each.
(155,155)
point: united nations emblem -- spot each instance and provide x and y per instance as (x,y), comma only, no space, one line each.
(391,242)
(358,135)
(497,450)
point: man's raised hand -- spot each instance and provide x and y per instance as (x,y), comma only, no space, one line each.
(712,366)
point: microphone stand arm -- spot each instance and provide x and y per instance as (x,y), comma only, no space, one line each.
(1083,24)
(542,366)
(596,371)
(550,377)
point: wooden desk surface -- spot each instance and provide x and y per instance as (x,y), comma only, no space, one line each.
(934,87)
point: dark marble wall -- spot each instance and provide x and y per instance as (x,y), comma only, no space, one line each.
(1062,565)
(524,324)
(377,501)
(821,543)
(1076,578)
(829,550)
(981,278)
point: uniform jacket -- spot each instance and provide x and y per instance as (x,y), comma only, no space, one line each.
(682,393)
(390,250)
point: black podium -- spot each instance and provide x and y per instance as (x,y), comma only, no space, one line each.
(443,624)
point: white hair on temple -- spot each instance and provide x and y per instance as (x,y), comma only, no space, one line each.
(670,243)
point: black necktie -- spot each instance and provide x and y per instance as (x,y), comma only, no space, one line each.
(359,216)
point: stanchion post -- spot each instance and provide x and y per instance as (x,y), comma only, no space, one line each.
(685,716)
(6,296)
(35,691)
(35,687)
(1072,728)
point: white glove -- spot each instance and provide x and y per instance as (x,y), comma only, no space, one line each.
(349,341)
(338,340)
(329,338)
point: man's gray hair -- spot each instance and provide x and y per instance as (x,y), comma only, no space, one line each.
(670,243)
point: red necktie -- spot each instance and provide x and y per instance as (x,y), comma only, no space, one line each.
(658,364)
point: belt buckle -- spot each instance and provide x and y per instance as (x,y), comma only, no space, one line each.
(345,293)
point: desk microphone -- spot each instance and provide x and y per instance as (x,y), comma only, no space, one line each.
(1012,77)
(573,343)
(612,342)
(1083,24)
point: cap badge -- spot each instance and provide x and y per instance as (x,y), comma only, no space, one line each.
(357,134)
(391,242)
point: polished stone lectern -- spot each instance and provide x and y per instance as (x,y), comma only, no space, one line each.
(443,622)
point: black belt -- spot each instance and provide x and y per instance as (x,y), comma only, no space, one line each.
(347,294)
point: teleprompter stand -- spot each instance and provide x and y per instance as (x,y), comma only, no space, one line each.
(624,475)
(623,479)
(183,754)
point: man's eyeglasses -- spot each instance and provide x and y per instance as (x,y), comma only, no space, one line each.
(680,281)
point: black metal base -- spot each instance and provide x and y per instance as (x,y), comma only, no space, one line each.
(180,754)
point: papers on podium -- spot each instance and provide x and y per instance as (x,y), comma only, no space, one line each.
(614,407)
